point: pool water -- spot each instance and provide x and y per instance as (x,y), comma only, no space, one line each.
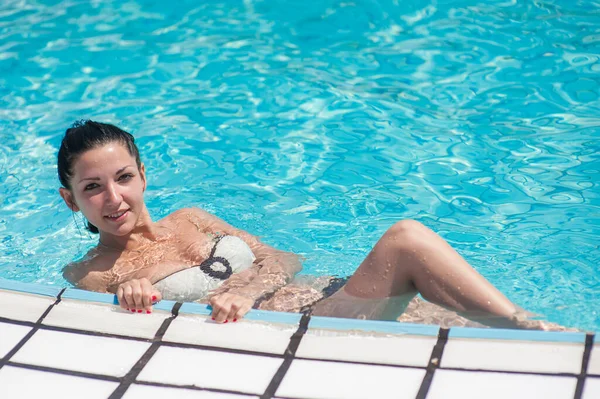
(318,126)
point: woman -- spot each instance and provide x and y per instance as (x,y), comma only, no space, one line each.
(103,177)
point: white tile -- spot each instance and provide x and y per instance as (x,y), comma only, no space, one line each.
(10,335)
(488,354)
(97,355)
(594,364)
(591,389)
(243,334)
(22,383)
(25,307)
(313,379)
(150,392)
(211,369)
(105,318)
(400,350)
(450,384)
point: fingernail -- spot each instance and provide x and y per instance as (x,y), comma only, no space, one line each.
(139,310)
(148,311)
(234,319)
(127,308)
(213,318)
(133,310)
(154,297)
(226,321)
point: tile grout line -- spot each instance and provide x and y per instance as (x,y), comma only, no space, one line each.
(34,329)
(589,343)
(112,378)
(193,387)
(72,330)
(542,374)
(74,373)
(130,377)
(406,366)
(184,345)
(173,344)
(288,357)
(109,378)
(434,363)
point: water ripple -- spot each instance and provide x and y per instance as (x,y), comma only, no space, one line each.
(317,127)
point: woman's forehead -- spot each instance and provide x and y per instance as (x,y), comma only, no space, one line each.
(110,157)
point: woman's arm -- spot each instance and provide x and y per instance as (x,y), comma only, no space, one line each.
(85,276)
(277,268)
(136,295)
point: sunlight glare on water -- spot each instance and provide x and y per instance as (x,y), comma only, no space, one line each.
(318,125)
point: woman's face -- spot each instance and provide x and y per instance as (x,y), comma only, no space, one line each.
(107,188)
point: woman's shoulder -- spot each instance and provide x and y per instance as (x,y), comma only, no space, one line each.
(86,273)
(183,212)
(200,218)
(191,211)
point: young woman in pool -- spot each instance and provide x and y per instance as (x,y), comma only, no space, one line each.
(191,250)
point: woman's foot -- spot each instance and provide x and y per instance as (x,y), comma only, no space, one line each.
(521,320)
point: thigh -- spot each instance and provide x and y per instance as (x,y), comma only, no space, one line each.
(385,272)
(420,311)
(343,304)
(291,298)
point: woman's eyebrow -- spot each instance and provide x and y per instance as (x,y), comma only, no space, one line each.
(88,178)
(122,169)
(97,178)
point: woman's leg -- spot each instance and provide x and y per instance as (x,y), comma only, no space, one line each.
(411,258)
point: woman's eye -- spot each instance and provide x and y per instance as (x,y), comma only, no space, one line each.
(90,186)
(126,176)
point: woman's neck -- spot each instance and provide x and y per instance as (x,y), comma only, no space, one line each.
(144,232)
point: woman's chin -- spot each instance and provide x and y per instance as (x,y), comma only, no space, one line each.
(119,227)
(119,231)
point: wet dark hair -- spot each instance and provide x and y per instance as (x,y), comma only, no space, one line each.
(86,135)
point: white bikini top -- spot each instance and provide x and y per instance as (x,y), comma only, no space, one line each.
(229,255)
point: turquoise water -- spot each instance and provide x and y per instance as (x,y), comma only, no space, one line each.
(317,127)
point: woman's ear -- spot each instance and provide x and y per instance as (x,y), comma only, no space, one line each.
(67,196)
(143,175)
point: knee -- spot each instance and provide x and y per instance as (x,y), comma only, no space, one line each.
(407,235)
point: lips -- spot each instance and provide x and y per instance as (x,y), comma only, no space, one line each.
(117,216)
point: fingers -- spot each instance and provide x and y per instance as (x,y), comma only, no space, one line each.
(146,295)
(128,296)
(120,297)
(221,306)
(233,309)
(244,308)
(138,301)
(156,295)
(138,295)
(229,307)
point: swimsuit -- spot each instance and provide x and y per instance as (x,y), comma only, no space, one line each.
(229,255)
(335,284)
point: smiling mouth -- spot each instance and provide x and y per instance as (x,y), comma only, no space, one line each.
(117,216)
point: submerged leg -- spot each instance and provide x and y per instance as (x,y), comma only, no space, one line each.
(411,258)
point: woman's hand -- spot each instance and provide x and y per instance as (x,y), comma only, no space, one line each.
(229,306)
(138,295)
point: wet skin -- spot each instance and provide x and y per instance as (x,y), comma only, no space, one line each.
(134,252)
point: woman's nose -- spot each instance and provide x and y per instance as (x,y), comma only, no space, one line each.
(113,195)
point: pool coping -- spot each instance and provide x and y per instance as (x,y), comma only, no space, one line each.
(372,346)
(316,322)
